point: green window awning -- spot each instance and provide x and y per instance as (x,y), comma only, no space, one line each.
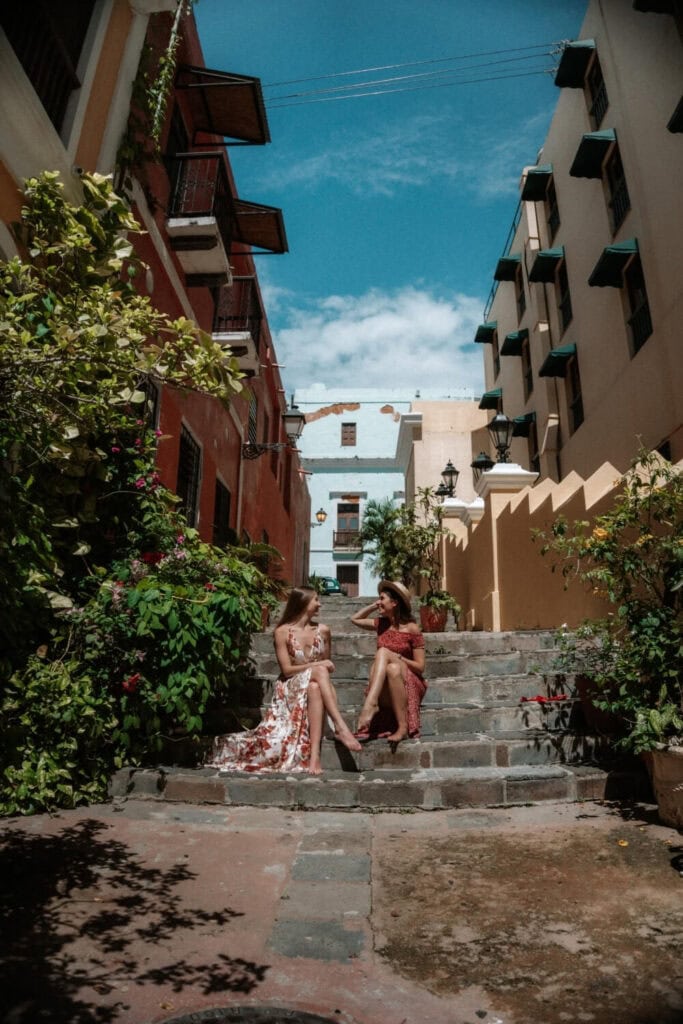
(536,183)
(571,71)
(545,264)
(486,331)
(609,270)
(521,425)
(512,346)
(506,268)
(676,120)
(590,156)
(491,399)
(555,363)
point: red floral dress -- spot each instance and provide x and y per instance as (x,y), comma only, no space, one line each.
(281,741)
(401,642)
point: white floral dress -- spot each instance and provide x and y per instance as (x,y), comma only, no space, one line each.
(281,741)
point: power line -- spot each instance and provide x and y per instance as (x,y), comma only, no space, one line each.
(411,64)
(411,88)
(404,78)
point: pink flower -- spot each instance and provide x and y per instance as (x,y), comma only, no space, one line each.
(130,684)
(140,482)
(180,539)
(138,442)
(116,449)
(158,433)
(139,423)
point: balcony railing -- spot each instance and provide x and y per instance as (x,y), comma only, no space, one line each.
(200,188)
(239,309)
(599,105)
(641,326)
(619,203)
(346,539)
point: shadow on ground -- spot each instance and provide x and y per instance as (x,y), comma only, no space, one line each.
(73,905)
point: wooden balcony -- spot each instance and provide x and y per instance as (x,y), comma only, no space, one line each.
(200,220)
(347,540)
(237,322)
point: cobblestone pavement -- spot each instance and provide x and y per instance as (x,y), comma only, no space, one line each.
(137,912)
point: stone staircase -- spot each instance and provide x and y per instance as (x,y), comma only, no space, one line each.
(481,743)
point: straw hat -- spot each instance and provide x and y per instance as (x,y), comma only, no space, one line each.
(398,591)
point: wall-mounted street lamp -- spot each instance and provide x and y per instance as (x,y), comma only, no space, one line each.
(482,464)
(500,428)
(449,476)
(321,516)
(293,421)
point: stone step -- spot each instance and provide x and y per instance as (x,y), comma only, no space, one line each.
(351,641)
(438,666)
(440,693)
(466,750)
(406,789)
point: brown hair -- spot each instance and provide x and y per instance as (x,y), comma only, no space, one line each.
(299,598)
(404,614)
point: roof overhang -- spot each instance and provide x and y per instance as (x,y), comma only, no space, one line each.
(555,363)
(507,266)
(545,265)
(486,331)
(609,270)
(259,226)
(536,183)
(491,399)
(514,342)
(590,156)
(576,56)
(230,106)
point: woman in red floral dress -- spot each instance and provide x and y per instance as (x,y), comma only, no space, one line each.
(392,700)
(289,736)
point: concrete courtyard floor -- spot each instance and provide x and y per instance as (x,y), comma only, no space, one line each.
(142,912)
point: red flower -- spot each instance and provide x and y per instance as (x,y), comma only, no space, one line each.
(152,557)
(209,586)
(130,684)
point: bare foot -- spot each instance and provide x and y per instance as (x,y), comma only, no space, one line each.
(396,737)
(346,737)
(368,712)
(315,768)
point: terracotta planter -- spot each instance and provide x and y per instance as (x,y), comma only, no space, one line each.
(666,771)
(433,620)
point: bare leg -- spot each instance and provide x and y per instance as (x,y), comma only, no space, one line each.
(329,698)
(316,712)
(399,702)
(378,677)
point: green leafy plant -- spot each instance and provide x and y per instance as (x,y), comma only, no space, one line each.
(633,556)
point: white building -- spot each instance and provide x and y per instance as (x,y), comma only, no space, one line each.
(350,446)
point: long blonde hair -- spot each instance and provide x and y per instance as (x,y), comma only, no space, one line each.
(297,602)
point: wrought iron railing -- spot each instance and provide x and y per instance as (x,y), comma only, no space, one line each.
(200,188)
(599,105)
(565,308)
(239,309)
(620,203)
(346,539)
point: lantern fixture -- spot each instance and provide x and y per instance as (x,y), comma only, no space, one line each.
(500,429)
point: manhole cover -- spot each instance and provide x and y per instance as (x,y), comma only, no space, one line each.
(251,1015)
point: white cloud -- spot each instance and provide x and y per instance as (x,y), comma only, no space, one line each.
(400,338)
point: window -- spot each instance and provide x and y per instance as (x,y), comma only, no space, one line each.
(221,515)
(597,93)
(495,352)
(617,193)
(265,433)
(574,399)
(527,375)
(253,421)
(348,435)
(639,319)
(189,469)
(532,443)
(552,212)
(48,44)
(564,301)
(520,295)
(348,517)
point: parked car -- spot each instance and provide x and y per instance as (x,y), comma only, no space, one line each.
(329,585)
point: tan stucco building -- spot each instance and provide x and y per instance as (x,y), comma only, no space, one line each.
(582,336)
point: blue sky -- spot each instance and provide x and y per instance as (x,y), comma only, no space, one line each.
(396,206)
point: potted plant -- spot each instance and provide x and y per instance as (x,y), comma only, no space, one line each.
(633,555)
(405,544)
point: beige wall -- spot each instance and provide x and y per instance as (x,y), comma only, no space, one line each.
(626,399)
(446,434)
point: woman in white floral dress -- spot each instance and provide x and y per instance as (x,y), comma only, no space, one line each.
(290,734)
